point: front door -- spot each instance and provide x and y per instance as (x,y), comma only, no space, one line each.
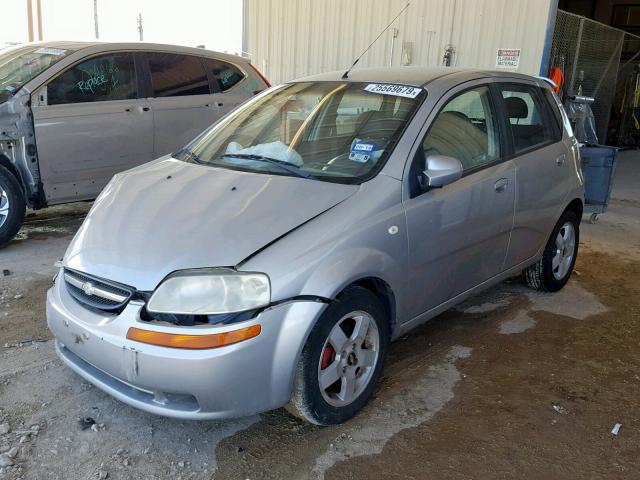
(459,234)
(89,125)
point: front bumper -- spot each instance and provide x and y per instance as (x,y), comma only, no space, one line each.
(236,380)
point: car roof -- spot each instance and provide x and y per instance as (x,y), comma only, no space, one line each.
(72,45)
(410,75)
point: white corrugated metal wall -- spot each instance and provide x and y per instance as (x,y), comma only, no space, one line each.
(293,38)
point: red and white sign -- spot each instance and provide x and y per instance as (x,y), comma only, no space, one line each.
(508,58)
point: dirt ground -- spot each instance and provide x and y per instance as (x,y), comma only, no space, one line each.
(511,384)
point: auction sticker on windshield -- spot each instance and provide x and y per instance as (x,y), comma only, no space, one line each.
(391,89)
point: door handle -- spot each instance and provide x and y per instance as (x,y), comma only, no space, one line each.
(501,185)
(216,104)
(560,160)
(146,109)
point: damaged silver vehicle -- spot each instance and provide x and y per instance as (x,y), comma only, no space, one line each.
(74,114)
(271,261)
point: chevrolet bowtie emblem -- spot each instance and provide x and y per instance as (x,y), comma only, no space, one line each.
(88,288)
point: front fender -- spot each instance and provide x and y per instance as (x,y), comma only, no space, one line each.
(363,237)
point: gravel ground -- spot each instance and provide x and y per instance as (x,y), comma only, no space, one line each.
(510,384)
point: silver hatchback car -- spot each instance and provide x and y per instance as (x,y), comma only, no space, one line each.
(271,261)
(73,114)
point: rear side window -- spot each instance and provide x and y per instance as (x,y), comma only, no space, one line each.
(174,75)
(224,74)
(99,79)
(526,117)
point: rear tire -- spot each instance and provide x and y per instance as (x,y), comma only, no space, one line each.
(12,206)
(553,270)
(349,344)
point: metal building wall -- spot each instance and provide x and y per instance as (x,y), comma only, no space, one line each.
(293,38)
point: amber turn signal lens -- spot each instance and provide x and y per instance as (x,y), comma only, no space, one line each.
(193,342)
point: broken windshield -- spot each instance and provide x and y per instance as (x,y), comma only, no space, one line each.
(331,131)
(18,65)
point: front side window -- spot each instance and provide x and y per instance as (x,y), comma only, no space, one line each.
(99,79)
(224,74)
(18,65)
(331,131)
(525,114)
(465,129)
(174,75)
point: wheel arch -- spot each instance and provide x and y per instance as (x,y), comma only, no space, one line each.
(383,291)
(576,206)
(11,168)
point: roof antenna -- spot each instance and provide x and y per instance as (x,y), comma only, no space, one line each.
(346,74)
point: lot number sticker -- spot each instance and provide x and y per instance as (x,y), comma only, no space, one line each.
(508,58)
(391,89)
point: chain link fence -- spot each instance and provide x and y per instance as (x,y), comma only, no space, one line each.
(589,53)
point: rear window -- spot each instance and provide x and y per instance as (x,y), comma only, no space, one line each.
(174,75)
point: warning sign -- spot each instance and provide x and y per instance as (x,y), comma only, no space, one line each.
(508,58)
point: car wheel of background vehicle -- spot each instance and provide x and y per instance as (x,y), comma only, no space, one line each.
(342,361)
(552,272)
(12,206)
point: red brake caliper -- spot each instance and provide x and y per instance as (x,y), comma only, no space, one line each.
(328,356)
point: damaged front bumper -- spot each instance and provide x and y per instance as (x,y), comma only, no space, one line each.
(236,380)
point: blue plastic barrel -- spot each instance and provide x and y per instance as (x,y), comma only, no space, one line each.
(598,167)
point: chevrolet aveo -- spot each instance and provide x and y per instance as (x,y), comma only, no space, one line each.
(271,261)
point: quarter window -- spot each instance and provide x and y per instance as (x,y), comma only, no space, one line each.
(175,75)
(465,129)
(99,79)
(556,128)
(526,120)
(224,74)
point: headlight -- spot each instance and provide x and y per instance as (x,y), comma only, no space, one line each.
(210,292)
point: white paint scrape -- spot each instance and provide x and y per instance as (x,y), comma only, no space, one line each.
(418,403)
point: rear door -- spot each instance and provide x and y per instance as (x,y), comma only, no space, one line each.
(89,125)
(459,234)
(541,160)
(181,99)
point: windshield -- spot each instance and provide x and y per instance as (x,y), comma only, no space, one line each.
(331,131)
(18,65)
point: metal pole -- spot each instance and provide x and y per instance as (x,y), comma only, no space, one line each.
(39,12)
(30,19)
(140,31)
(575,57)
(95,18)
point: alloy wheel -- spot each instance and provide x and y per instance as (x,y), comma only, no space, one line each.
(4,206)
(349,358)
(564,252)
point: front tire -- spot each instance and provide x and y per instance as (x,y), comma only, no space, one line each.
(553,270)
(12,206)
(342,361)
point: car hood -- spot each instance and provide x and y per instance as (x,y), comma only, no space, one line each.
(170,215)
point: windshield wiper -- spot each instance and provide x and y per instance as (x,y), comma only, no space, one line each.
(289,167)
(189,153)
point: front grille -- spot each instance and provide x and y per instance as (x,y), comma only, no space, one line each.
(96,293)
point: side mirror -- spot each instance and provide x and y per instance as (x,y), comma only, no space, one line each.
(440,171)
